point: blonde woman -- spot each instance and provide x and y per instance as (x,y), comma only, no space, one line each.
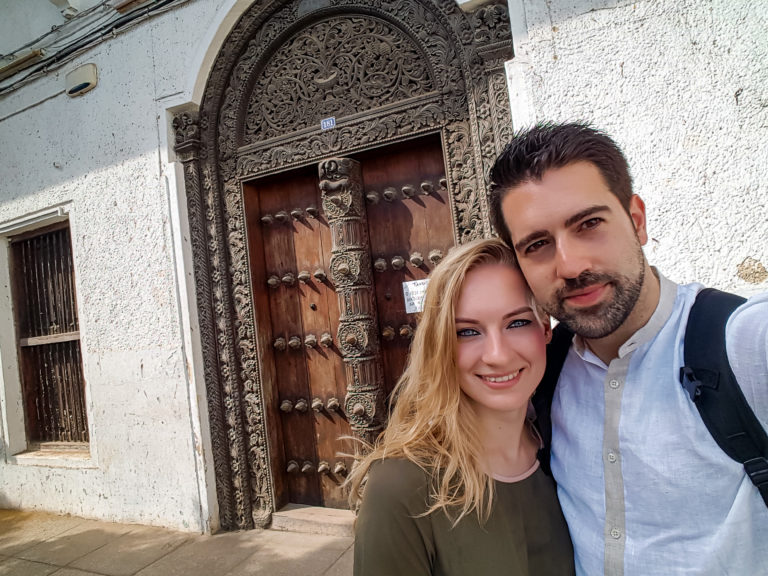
(453,484)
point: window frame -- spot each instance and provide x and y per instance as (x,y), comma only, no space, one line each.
(15,446)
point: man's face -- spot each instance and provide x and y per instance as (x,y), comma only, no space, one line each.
(579,250)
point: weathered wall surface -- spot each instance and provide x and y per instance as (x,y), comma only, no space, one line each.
(682,85)
(104,155)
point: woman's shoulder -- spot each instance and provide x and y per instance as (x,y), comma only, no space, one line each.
(396,476)
(396,492)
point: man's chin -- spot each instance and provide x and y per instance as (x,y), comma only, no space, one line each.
(586,322)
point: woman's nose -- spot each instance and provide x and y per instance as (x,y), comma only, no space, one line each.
(495,349)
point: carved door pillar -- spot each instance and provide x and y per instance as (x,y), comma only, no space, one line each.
(341,187)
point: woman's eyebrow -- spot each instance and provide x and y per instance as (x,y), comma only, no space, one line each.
(516,312)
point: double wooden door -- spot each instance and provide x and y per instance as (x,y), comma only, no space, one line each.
(296,251)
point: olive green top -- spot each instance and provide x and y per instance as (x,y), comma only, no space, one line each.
(525,534)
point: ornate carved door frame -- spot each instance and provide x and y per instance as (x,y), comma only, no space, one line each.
(416,67)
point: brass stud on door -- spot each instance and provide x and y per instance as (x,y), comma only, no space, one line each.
(408,191)
(282,217)
(435,256)
(289,279)
(340,468)
(323,467)
(398,262)
(273,281)
(416,259)
(297,214)
(292,467)
(310,341)
(304,276)
(390,194)
(301,405)
(333,404)
(307,467)
(326,340)
(279,344)
(294,342)
(427,188)
(317,404)
(443,183)
(344,269)
(312,212)
(267,220)
(320,275)
(286,406)
(406,331)
(380,265)
(351,339)
(388,333)
(372,197)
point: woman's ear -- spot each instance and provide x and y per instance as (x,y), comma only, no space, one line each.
(547,323)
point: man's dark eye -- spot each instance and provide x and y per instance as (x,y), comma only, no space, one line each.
(531,248)
(591,223)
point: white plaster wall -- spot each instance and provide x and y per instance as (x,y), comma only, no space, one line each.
(106,154)
(682,85)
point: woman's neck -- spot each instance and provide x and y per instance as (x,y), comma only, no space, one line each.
(508,444)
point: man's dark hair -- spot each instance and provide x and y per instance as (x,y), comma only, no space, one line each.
(533,151)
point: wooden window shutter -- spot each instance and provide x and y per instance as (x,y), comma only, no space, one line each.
(48,334)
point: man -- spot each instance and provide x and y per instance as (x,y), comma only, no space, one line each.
(643,485)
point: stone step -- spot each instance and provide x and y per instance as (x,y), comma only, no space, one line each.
(314,520)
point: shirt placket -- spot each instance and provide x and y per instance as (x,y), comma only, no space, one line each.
(615,536)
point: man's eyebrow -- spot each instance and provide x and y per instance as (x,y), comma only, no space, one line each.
(535,235)
(586,212)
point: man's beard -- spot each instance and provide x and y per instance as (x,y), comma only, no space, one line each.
(602,319)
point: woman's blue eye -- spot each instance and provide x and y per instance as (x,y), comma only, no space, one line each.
(519,323)
(465,332)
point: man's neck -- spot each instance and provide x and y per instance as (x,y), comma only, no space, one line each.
(608,348)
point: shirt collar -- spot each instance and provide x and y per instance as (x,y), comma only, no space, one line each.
(667,296)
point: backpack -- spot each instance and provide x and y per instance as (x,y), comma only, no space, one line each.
(707,378)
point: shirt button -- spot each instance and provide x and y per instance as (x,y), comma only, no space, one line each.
(616,533)
(613,384)
(611,457)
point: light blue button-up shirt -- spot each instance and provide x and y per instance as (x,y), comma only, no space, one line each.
(643,485)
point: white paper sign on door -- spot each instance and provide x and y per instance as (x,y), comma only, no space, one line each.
(414,292)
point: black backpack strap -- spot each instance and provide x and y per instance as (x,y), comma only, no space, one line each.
(557,350)
(711,384)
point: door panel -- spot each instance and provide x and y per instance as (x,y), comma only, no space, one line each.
(283,244)
(408,221)
(290,248)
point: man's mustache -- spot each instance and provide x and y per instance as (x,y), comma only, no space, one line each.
(583,280)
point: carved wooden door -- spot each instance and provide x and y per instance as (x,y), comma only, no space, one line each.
(330,248)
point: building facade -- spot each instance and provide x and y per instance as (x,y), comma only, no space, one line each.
(214,213)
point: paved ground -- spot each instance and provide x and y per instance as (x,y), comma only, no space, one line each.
(38,544)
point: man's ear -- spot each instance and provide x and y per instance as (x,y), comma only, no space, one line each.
(637,214)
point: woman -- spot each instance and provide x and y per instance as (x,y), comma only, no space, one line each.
(453,484)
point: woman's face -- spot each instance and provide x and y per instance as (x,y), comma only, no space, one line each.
(501,346)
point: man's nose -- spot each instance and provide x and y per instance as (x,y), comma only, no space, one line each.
(570,260)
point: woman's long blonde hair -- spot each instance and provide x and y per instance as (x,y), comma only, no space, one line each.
(432,422)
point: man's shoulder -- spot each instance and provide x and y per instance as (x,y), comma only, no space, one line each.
(752,314)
